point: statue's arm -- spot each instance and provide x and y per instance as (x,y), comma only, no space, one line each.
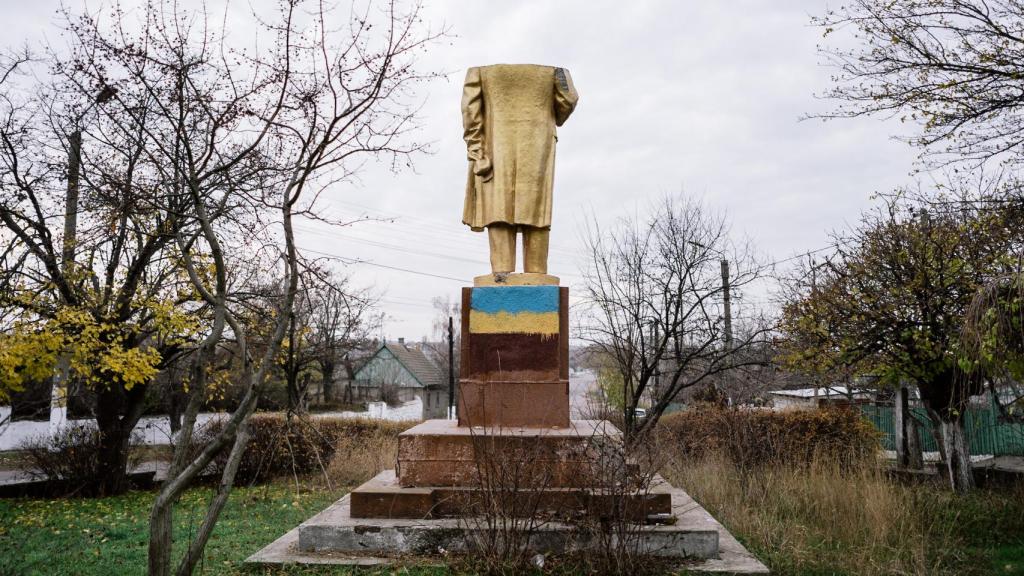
(566,96)
(473,123)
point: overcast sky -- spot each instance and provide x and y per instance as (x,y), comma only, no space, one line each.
(675,96)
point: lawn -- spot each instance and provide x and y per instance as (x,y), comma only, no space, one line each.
(109,535)
(798,522)
(802,520)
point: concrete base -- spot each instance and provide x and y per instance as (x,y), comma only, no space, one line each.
(333,537)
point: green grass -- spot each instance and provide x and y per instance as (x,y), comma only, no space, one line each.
(109,535)
(1008,560)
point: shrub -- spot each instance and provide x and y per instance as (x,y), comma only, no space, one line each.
(751,437)
(70,459)
(279,446)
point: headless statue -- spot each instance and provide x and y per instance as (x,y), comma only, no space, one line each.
(510,113)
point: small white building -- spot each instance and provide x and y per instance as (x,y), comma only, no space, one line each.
(820,396)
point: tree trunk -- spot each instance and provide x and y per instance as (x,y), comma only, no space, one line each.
(174,407)
(195,550)
(112,468)
(161,523)
(327,371)
(937,432)
(958,456)
(303,393)
(292,386)
(117,413)
(908,440)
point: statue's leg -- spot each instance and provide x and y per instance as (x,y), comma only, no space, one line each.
(502,238)
(535,249)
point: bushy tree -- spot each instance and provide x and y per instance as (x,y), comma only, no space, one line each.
(102,299)
(891,301)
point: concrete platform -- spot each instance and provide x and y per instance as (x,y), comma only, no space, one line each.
(334,537)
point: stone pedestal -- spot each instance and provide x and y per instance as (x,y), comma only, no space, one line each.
(513,423)
(442,453)
(513,438)
(515,357)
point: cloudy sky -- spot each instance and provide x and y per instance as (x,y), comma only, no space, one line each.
(698,97)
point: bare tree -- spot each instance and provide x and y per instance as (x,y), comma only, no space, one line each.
(655,303)
(342,319)
(297,356)
(247,142)
(953,67)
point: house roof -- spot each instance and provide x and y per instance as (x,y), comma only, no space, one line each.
(417,363)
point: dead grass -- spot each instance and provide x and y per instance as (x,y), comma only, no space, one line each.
(358,459)
(823,519)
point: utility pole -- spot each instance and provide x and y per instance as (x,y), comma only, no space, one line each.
(451,369)
(814,274)
(62,371)
(657,364)
(727,304)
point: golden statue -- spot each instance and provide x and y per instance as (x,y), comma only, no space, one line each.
(509,113)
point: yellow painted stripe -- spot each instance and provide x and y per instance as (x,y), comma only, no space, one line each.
(517,323)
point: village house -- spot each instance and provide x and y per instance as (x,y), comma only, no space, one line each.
(399,372)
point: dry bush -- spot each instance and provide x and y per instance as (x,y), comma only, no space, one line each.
(510,512)
(505,510)
(828,518)
(610,530)
(751,437)
(298,446)
(70,459)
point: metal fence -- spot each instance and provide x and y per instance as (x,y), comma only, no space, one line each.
(985,433)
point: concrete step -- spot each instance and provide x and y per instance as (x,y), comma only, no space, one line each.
(335,530)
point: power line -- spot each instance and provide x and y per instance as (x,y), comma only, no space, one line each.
(368,263)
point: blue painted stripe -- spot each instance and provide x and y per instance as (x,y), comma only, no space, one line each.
(513,299)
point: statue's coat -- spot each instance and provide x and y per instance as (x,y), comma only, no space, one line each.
(509,114)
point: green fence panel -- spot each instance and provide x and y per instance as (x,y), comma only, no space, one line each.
(986,434)
(882,418)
